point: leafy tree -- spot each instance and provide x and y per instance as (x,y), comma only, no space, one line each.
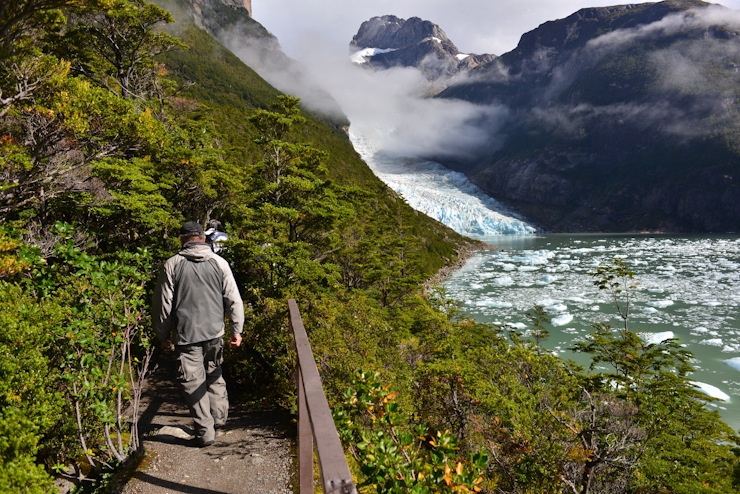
(616,279)
(21,19)
(394,458)
(115,47)
(539,318)
(649,393)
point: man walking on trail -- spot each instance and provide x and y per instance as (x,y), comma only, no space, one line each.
(194,292)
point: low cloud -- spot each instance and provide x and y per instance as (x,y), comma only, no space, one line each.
(393,103)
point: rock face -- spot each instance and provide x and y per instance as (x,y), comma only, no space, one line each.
(620,119)
(234,28)
(247,4)
(389,41)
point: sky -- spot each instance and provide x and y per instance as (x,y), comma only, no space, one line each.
(475,26)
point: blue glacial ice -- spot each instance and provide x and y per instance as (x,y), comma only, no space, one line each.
(438,192)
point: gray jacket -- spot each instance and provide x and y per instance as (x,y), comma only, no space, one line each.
(194,292)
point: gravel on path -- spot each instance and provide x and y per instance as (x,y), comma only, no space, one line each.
(253,453)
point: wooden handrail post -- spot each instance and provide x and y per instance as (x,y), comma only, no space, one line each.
(313,409)
(305,442)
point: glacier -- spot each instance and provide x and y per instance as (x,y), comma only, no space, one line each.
(443,194)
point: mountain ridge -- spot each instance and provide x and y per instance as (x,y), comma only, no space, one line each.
(621,119)
(388,41)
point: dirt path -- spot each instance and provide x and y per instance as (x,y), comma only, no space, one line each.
(253,453)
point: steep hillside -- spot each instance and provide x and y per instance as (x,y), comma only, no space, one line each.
(233,26)
(233,91)
(621,119)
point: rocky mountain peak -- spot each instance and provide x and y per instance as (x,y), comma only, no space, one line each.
(377,32)
(389,41)
(391,32)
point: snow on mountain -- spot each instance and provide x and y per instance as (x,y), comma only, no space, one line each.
(438,192)
(362,56)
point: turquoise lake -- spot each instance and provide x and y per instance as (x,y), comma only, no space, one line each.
(689,289)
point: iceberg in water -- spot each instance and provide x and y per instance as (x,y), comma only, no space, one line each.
(710,390)
(734,363)
(440,193)
(655,338)
(712,342)
(561,320)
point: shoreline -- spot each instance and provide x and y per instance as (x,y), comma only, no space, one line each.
(464,253)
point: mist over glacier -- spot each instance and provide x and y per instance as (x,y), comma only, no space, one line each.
(393,123)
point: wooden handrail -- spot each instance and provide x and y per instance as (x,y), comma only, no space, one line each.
(315,423)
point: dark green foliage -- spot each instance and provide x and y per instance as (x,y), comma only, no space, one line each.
(89,208)
(18,445)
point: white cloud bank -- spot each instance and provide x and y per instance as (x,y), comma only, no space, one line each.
(475,26)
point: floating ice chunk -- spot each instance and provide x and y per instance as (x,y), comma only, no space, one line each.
(712,303)
(561,320)
(546,302)
(577,300)
(503,281)
(710,390)
(649,310)
(712,342)
(570,330)
(661,304)
(729,349)
(556,308)
(528,268)
(655,290)
(516,325)
(734,363)
(493,303)
(594,308)
(655,338)
(508,267)
(700,329)
(548,278)
(584,250)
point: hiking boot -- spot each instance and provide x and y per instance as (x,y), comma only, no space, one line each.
(200,443)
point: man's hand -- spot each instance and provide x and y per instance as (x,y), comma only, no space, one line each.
(236,340)
(167,344)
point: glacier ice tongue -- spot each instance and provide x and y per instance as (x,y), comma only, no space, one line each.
(440,193)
